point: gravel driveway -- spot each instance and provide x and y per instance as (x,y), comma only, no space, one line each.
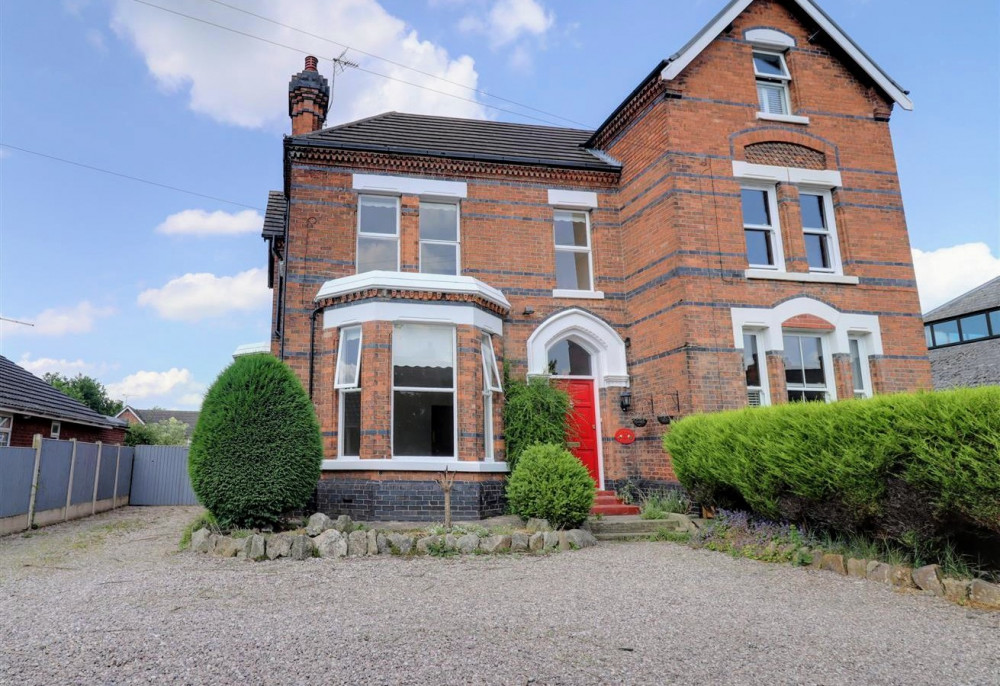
(110,600)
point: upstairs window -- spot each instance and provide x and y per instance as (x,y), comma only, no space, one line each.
(6,424)
(378,233)
(760,228)
(573,259)
(772,82)
(819,231)
(805,371)
(439,251)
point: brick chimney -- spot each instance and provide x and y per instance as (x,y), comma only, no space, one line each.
(308,99)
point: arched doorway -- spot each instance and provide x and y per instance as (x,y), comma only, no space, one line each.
(571,367)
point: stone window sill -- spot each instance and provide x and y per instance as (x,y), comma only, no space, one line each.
(803,277)
(784,118)
(583,295)
(435,465)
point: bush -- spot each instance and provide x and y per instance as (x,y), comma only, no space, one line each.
(924,465)
(256,450)
(534,412)
(549,483)
(659,505)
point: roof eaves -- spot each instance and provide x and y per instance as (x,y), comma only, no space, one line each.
(934,315)
(655,73)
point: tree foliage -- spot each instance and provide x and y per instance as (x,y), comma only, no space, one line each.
(534,412)
(87,390)
(549,483)
(256,451)
(164,432)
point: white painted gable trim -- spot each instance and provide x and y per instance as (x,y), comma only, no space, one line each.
(603,342)
(681,60)
(767,323)
(410,185)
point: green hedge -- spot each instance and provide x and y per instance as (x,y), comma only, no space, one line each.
(256,450)
(549,483)
(925,464)
(534,412)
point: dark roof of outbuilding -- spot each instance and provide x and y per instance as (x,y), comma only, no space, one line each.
(472,139)
(983,297)
(189,417)
(24,393)
(274,215)
(969,364)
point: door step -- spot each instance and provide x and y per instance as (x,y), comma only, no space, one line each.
(636,527)
(606,503)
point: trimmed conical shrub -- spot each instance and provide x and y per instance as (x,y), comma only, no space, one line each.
(256,451)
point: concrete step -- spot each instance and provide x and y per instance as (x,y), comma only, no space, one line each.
(623,537)
(636,526)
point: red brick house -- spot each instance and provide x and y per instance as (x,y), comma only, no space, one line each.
(29,406)
(732,234)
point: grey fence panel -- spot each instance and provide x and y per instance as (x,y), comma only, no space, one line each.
(125,471)
(53,475)
(160,476)
(106,479)
(17,466)
(83,473)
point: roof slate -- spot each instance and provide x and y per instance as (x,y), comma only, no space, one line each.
(969,364)
(983,297)
(419,134)
(24,393)
(274,215)
(152,416)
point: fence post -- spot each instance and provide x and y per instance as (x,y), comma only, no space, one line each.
(69,487)
(118,464)
(97,475)
(36,443)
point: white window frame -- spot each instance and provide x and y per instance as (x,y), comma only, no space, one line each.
(765,382)
(771,191)
(772,80)
(430,241)
(571,292)
(55,430)
(832,238)
(419,389)
(344,388)
(491,385)
(829,382)
(866,378)
(379,236)
(6,432)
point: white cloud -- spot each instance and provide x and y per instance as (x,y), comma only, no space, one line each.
(44,365)
(218,223)
(4,153)
(237,80)
(58,321)
(949,272)
(513,24)
(174,389)
(198,296)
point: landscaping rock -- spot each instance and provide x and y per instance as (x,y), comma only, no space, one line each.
(817,557)
(468,543)
(400,544)
(451,542)
(985,594)
(535,524)
(201,541)
(929,579)
(382,543)
(681,522)
(301,547)
(343,524)
(833,563)
(357,543)
(579,538)
(518,542)
(278,545)
(372,541)
(857,568)
(956,590)
(318,523)
(551,539)
(901,576)
(255,548)
(879,571)
(536,542)
(331,543)
(494,544)
(225,546)
(424,544)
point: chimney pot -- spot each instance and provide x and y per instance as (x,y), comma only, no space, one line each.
(311,63)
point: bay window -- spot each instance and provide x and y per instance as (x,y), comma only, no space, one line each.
(378,233)
(347,381)
(806,374)
(423,390)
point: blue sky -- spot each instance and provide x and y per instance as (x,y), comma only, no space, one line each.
(150,289)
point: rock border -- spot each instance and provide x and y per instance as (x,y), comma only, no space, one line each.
(327,538)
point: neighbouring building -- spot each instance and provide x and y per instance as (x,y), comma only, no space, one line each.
(732,234)
(963,337)
(155,415)
(29,406)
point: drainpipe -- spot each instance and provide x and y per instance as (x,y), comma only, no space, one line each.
(312,345)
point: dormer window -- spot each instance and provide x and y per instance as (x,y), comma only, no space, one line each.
(772,82)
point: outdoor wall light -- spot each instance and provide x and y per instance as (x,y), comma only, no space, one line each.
(625,400)
(528,310)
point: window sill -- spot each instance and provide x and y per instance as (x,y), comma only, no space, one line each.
(804,277)
(410,465)
(784,118)
(583,295)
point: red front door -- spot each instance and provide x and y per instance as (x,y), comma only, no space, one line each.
(582,432)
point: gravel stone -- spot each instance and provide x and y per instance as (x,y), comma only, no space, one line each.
(84,604)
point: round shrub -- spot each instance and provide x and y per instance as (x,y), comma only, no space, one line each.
(256,450)
(549,483)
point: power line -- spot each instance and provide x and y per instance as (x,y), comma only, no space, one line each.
(367,71)
(394,62)
(127,176)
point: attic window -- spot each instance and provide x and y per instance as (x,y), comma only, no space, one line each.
(772,82)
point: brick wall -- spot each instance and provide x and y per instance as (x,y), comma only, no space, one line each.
(24,430)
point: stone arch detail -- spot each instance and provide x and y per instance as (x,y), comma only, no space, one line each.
(779,154)
(597,336)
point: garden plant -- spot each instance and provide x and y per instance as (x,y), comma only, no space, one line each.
(549,483)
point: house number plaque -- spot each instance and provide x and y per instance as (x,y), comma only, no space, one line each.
(625,436)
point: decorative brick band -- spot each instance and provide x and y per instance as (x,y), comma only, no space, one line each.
(780,154)
(414,295)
